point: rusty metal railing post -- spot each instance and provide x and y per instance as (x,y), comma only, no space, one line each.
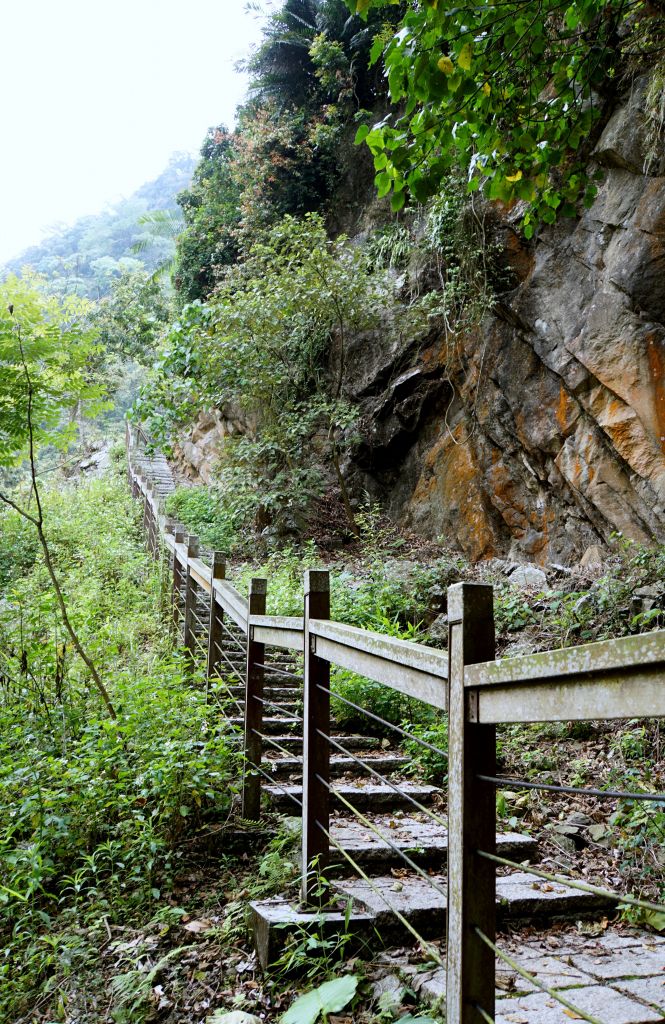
(254,675)
(190,598)
(217,572)
(316,750)
(471,812)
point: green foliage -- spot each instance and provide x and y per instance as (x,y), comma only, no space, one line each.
(46,348)
(512,95)
(331,997)
(426,764)
(96,809)
(132,316)
(211,211)
(203,511)
(18,546)
(260,347)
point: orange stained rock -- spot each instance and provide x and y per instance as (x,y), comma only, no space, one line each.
(450,478)
(656,355)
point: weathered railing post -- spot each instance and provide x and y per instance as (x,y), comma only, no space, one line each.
(218,572)
(178,537)
(471,812)
(190,598)
(316,749)
(254,674)
(146,514)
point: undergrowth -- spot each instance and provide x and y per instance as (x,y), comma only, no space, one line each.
(95,811)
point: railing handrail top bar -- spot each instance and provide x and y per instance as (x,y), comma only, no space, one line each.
(290,623)
(569,663)
(390,648)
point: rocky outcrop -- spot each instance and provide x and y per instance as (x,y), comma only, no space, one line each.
(542,432)
(198,454)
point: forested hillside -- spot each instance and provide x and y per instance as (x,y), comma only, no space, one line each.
(87,257)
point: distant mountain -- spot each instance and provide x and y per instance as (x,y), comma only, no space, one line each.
(84,258)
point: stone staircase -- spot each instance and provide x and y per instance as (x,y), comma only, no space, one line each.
(412,817)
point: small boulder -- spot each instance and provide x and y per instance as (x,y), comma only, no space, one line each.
(438,631)
(528,576)
(592,558)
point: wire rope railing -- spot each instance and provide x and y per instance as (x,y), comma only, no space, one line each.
(389,725)
(386,839)
(286,715)
(271,741)
(574,883)
(610,680)
(424,944)
(421,808)
(278,671)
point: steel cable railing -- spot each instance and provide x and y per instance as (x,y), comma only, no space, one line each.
(382,778)
(572,790)
(287,716)
(232,636)
(381,835)
(574,883)
(278,671)
(278,746)
(426,946)
(275,785)
(390,725)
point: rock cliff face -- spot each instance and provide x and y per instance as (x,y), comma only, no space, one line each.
(542,432)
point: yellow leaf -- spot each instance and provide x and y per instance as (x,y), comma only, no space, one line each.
(517,176)
(464,59)
(573,1016)
(446,65)
(487,88)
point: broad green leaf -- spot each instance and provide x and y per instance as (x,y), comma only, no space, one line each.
(445,65)
(361,134)
(331,997)
(464,59)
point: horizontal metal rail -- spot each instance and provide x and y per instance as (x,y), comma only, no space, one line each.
(408,667)
(281,631)
(612,679)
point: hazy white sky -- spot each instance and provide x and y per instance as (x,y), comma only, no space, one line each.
(97,94)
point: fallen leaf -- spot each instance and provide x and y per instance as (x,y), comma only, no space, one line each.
(203,924)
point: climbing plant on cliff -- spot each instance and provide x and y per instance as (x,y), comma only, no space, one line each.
(512,92)
(270,350)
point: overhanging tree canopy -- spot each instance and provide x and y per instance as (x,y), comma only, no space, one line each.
(510,90)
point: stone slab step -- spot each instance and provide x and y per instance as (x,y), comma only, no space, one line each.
(363,795)
(340,765)
(271,724)
(423,840)
(355,743)
(519,895)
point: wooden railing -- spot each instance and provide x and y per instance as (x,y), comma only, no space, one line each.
(615,679)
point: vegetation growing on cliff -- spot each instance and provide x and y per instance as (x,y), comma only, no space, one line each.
(513,95)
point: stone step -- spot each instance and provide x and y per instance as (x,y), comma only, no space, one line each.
(340,765)
(519,895)
(272,724)
(363,795)
(353,743)
(423,840)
